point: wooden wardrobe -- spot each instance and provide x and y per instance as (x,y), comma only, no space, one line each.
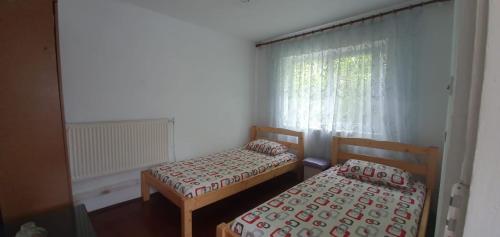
(34,174)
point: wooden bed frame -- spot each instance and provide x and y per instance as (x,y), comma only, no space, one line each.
(188,205)
(426,169)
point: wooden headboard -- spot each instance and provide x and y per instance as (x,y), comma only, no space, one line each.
(428,168)
(257,132)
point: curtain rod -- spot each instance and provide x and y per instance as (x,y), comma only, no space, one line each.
(350,22)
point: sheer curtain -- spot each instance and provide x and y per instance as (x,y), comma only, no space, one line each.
(354,81)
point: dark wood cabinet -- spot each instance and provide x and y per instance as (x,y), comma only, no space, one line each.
(34,175)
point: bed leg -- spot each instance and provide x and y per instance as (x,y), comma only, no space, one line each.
(187,222)
(221,230)
(299,172)
(144,187)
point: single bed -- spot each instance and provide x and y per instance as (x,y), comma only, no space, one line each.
(332,205)
(193,184)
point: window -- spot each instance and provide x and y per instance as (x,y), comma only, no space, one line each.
(325,90)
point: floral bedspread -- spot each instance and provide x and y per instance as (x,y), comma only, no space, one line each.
(204,174)
(331,205)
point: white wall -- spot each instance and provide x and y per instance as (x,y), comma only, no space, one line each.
(120,61)
(483,211)
(433,72)
(462,109)
(433,76)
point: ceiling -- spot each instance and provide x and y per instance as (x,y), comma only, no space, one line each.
(258,20)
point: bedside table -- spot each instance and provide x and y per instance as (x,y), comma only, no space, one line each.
(314,166)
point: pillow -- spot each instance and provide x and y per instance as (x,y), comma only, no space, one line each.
(266,147)
(376,173)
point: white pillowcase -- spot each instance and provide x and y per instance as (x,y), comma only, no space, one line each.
(376,173)
(266,147)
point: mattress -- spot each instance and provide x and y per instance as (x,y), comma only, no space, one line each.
(331,205)
(195,177)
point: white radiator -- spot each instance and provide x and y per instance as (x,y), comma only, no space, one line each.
(103,148)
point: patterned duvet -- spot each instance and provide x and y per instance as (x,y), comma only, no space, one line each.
(332,205)
(204,174)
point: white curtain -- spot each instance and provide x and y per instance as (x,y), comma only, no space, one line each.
(354,81)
